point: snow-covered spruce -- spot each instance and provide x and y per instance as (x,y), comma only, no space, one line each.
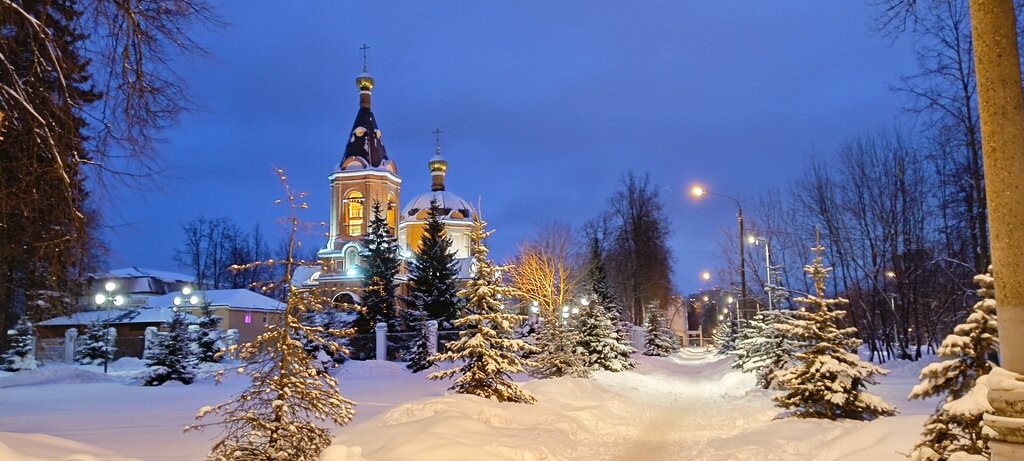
(95,346)
(724,337)
(558,354)
(659,339)
(331,351)
(826,379)
(417,350)
(20,355)
(967,355)
(486,353)
(603,295)
(597,339)
(289,409)
(761,348)
(380,256)
(170,357)
(208,338)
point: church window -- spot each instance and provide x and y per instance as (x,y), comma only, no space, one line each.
(350,258)
(354,214)
(392,215)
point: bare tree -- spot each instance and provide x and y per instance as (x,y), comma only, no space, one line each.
(548,268)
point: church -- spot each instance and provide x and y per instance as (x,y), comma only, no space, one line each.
(367,175)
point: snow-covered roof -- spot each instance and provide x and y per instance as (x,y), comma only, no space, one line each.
(448,201)
(237,298)
(144,272)
(116,316)
(303,274)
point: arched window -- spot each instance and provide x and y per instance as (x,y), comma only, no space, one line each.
(354,214)
(392,215)
(351,258)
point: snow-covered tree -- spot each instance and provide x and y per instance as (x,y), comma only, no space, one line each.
(20,355)
(328,353)
(827,379)
(604,295)
(558,354)
(967,354)
(724,337)
(208,337)
(486,352)
(95,346)
(282,414)
(761,348)
(659,339)
(417,352)
(171,358)
(380,255)
(598,341)
(433,273)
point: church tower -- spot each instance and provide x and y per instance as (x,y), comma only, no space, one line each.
(364,176)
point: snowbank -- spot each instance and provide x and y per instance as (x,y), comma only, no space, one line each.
(54,374)
(369,369)
(40,447)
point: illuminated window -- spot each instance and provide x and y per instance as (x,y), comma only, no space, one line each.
(248,317)
(392,215)
(354,214)
(350,258)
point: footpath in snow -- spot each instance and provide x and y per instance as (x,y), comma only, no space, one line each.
(690,406)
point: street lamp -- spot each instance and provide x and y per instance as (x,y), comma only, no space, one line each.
(767,265)
(189,297)
(108,300)
(705,276)
(698,192)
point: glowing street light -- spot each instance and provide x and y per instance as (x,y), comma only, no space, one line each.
(698,192)
(108,300)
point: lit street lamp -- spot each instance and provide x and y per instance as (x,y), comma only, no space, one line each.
(767,265)
(108,300)
(189,297)
(699,192)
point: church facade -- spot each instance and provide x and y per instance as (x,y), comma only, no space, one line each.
(367,176)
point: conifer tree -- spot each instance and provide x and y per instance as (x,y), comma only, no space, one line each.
(380,254)
(604,295)
(725,335)
(328,353)
(171,358)
(20,355)
(659,339)
(208,337)
(558,354)
(967,355)
(282,415)
(827,379)
(486,352)
(95,346)
(761,348)
(597,339)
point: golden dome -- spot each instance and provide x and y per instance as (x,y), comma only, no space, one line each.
(365,82)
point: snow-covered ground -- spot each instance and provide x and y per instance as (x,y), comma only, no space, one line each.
(690,406)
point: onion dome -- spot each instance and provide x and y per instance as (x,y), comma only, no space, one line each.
(452,206)
(365,139)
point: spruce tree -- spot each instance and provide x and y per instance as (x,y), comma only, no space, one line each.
(598,341)
(170,358)
(827,379)
(724,337)
(20,355)
(659,339)
(328,352)
(486,352)
(558,354)
(433,288)
(603,294)
(761,348)
(380,254)
(208,337)
(967,355)
(95,345)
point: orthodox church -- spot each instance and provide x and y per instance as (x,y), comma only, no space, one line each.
(367,175)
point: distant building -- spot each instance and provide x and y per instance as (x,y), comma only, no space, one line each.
(136,284)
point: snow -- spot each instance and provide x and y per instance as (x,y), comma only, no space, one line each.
(116,316)
(690,405)
(166,276)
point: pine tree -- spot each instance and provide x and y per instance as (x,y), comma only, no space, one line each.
(486,353)
(604,295)
(171,358)
(280,415)
(826,379)
(417,353)
(380,254)
(968,353)
(659,339)
(95,345)
(433,274)
(558,354)
(208,337)
(597,339)
(761,348)
(21,355)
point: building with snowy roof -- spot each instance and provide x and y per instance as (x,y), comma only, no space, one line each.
(367,175)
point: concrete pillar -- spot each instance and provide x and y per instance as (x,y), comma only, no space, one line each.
(231,341)
(1001,106)
(432,336)
(70,338)
(382,341)
(149,336)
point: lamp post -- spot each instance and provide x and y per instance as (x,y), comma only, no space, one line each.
(189,297)
(767,265)
(699,192)
(108,300)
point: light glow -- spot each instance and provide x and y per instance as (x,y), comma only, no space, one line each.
(697,191)
(177,300)
(186,291)
(100,298)
(193,300)
(110,286)
(118,300)
(705,275)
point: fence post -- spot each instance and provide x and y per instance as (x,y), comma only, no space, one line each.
(231,340)
(382,341)
(148,336)
(70,338)
(637,335)
(432,337)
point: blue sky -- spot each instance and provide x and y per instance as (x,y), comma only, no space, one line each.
(544,106)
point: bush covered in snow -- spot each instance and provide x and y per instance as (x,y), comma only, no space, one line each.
(21,354)
(170,357)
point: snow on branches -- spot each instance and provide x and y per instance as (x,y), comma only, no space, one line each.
(21,354)
(659,339)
